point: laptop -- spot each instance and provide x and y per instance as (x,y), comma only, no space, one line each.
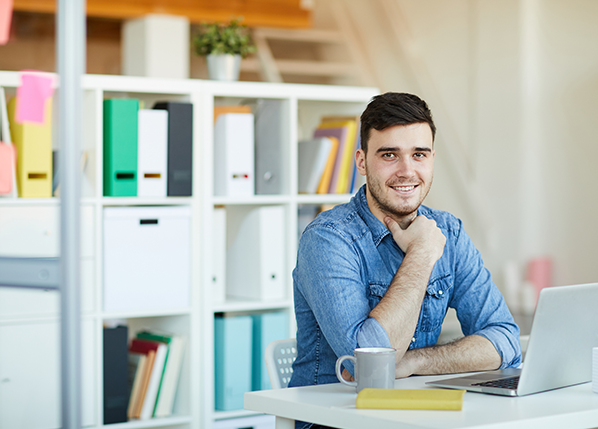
(559,353)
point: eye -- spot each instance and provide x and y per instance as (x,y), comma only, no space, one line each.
(388,155)
(420,155)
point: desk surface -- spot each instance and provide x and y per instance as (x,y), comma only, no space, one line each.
(334,405)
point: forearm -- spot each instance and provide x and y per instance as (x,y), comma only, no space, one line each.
(398,311)
(471,353)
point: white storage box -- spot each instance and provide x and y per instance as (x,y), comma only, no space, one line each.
(255,254)
(147,258)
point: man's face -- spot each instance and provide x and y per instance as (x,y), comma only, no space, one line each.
(399,167)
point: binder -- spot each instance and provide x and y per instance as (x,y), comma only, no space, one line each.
(267,327)
(180,148)
(234,155)
(34,153)
(116,369)
(147,258)
(152,147)
(269,141)
(313,157)
(120,147)
(219,255)
(232,361)
(255,253)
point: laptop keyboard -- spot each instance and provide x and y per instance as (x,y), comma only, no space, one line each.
(505,383)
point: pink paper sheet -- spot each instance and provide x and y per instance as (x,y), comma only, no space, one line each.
(32,95)
(5,19)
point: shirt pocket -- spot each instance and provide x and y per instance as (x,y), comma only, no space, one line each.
(375,293)
(435,303)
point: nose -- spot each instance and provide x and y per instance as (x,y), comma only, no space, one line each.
(404,167)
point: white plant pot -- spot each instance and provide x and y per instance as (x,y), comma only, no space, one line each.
(224,67)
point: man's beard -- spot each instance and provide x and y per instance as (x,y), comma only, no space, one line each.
(386,207)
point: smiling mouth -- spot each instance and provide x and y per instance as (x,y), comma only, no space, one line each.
(404,188)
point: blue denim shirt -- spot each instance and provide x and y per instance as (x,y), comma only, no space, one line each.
(346,261)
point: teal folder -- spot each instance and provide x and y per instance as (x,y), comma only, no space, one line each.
(232,357)
(120,147)
(267,327)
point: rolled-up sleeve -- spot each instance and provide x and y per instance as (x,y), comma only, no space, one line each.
(480,307)
(329,276)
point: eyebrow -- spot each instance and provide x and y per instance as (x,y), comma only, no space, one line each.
(395,149)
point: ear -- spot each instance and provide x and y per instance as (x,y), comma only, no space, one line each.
(360,161)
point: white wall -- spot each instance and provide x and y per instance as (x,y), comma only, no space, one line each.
(513,85)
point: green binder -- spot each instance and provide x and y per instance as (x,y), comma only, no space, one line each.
(120,147)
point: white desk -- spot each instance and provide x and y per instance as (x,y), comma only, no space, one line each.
(334,405)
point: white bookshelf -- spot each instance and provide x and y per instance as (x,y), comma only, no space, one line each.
(33,316)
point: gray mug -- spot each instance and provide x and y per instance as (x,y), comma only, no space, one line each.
(374,367)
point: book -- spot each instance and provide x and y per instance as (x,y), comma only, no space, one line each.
(324,184)
(145,377)
(410,399)
(313,157)
(137,369)
(172,369)
(116,389)
(339,133)
(155,376)
(345,157)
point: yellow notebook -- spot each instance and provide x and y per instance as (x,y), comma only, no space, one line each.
(416,399)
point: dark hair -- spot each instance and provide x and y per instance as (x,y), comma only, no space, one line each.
(394,108)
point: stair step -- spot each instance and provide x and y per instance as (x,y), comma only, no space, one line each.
(303,68)
(316,36)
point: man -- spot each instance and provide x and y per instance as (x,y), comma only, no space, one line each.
(382,270)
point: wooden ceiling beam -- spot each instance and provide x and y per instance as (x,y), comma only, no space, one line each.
(255,13)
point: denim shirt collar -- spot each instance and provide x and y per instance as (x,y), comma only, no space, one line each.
(378,229)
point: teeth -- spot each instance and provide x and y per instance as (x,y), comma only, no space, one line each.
(404,188)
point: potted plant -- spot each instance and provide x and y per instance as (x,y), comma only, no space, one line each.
(223,45)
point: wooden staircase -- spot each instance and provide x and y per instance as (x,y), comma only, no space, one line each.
(330,56)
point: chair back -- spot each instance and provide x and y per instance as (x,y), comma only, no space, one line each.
(280,356)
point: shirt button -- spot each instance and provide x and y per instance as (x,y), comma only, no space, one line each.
(439,292)
(413,339)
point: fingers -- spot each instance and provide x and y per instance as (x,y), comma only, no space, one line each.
(347,375)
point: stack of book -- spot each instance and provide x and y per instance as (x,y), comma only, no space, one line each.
(154,367)
(327,162)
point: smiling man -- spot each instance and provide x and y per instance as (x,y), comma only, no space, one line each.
(383,269)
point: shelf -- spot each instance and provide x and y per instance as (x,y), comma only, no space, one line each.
(323,198)
(231,306)
(225,415)
(28,201)
(150,423)
(252,200)
(148,313)
(145,201)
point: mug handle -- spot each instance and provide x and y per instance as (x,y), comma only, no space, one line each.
(339,362)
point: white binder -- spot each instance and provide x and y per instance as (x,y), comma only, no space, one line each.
(255,262)
(219,255)
(234,155)
(147,258)
(152,153)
